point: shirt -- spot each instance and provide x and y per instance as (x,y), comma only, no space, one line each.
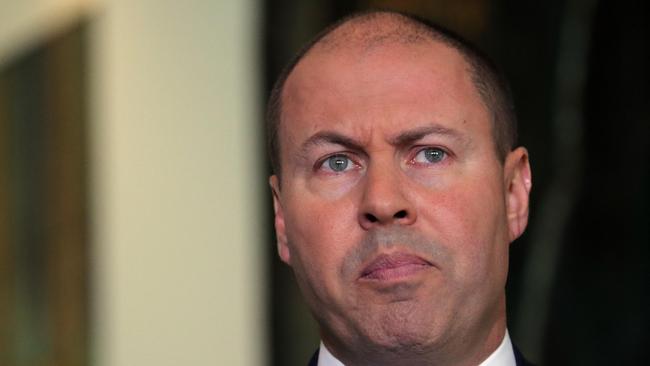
(504,355)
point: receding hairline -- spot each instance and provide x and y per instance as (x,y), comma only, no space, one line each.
(356,43)
(372,30)
(365,33)
(368,30)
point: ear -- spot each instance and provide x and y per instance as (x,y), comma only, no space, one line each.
(280,230)
(518,182)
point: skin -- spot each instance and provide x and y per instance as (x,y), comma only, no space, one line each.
(402,260)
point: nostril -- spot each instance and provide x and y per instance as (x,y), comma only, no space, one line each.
(400,214)
(371,218)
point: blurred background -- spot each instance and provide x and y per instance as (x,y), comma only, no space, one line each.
(135,219)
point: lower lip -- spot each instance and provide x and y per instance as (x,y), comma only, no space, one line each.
(397,272)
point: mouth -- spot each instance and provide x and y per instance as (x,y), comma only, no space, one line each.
(395,266)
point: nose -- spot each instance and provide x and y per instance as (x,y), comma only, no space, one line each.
(384,200)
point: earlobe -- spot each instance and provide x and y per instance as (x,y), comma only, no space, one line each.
(280,230)
(518,184)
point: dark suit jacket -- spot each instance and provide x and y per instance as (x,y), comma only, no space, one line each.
(519,358)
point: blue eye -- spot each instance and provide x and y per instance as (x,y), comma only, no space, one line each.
(430,155)
(337,163)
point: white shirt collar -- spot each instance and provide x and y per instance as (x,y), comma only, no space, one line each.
(325,358)
(502,356)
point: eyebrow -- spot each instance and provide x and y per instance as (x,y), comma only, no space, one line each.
(411,136)
(402,139)
(330,137)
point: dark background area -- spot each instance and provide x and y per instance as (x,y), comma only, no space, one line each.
(579,284)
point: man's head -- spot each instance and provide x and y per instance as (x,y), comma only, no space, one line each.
(400,194)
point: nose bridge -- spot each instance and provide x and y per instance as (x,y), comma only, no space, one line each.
(385,199)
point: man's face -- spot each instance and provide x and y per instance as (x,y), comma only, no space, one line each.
(393,210)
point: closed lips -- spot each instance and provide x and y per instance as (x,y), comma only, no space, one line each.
(392,266)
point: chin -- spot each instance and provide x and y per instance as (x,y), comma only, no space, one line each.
(403,328)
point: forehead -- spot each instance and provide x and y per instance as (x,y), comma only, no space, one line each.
(339,65)
(395,80)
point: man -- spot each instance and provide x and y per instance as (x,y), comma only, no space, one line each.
(397,191)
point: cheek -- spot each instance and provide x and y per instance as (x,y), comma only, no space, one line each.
(319,236)
(319,233)
(333,189)
(470,220)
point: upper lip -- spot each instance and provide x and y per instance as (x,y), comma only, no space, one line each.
(392,260)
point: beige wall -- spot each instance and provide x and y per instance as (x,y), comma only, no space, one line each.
(176,161)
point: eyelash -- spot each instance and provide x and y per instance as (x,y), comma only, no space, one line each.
(322,164)
(445,155)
